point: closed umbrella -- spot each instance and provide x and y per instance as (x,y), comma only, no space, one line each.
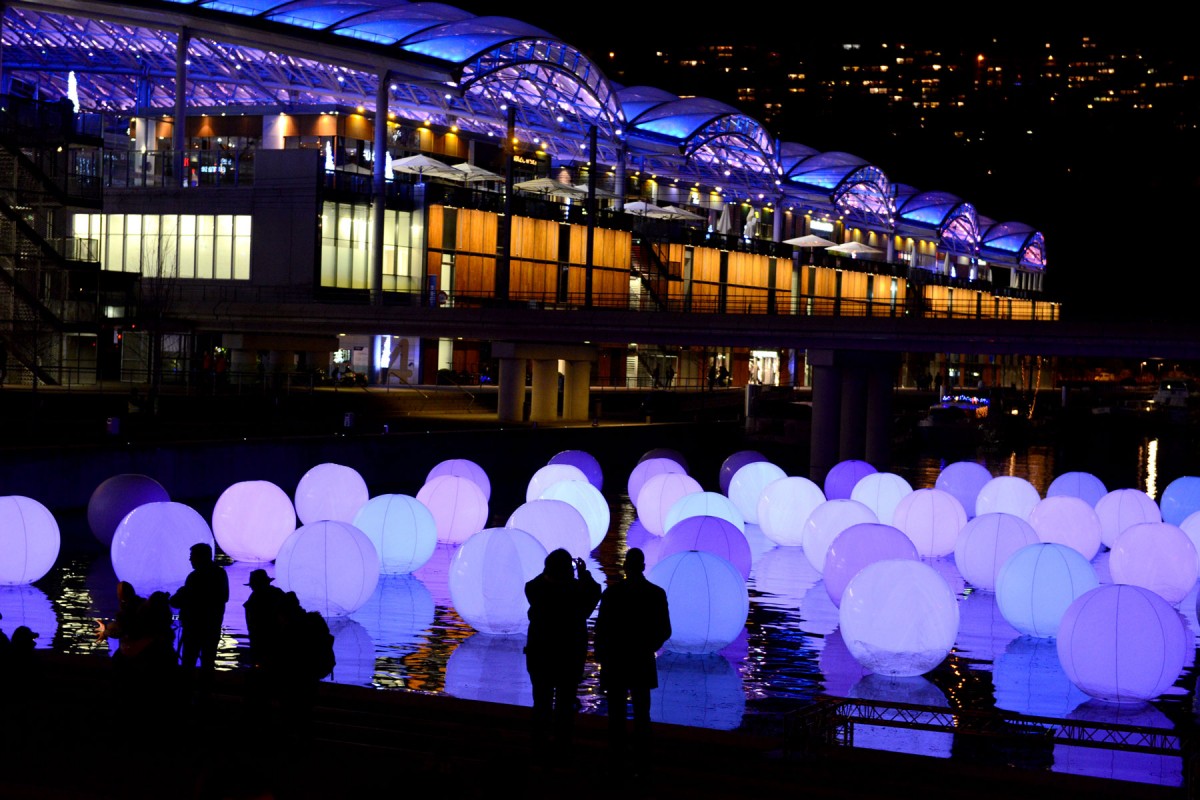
(725,221)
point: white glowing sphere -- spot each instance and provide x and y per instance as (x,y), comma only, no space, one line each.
(704,504)
(586,462)
(986,542)
(488,574)
(458,506)
(898,617)
(330,492)
(554,523)
(932,518)
(1037,584)
(116,497)
(658,495)
(1180,499)
(1067,520)
(1157,556)
(151,547)
(1083,485)
(964,480)
(825,523)
(29,540)
(747,485)
(463,468)
(1191,526)
(1122,508)
(645,470)
(1122,643)
(331,566)
(402,529)
(733,463)
(784,506)
(549,475)
(707,599)
(858,546)
(1007,494)
(252,519)
(589,502)
(841,480)
(713,535)
(881,492)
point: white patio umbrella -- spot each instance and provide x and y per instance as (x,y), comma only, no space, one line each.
(853,249)
(422,165)
(725,221)
(642,208)
(549,186)
(599,192)
(808,240)
(675,212)
(471,173)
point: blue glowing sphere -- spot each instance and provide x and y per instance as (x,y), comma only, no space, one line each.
(585,462)
(402,529)
(1083,485)
(842,479)
(1180,499)
(1037,584)
(707,599)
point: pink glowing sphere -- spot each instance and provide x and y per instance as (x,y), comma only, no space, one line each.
(747,485)
(881,492)
(841,480)
(858,546)
(488,574)
(645,470)
(712,535)
(1157,556)
(463,468)
(707,599)
(986,542)
(331,566)
(1037,584)
(402,530)
(657,497)
(555,524)
(898,617)
(458,507)
(1084,485)
(733,463)
(29,540)
(1122,644)
(1067,520)
(252,519)
(784,506)
(964,480)
(330,492)
(1121,508)
(586,462)
(932,518)
(704,504)
(116,497)
(825,523)
(588,501)
(1180,499)
(1007,494)
(150,548)
(549,475)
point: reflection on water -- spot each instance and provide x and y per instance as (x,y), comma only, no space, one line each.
(408,636)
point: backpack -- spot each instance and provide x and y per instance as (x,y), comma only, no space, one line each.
(317,646)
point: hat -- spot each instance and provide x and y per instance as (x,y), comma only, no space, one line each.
(23,633)
(259,577)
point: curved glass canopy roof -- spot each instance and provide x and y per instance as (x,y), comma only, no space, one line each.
(1015,241)
(857,189)
(954,220)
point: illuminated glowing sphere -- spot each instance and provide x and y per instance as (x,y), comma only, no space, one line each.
(665,452)
(898,617)
(549,475)
(1083,485)
(330,492)
(150,548)
(825,523)
(747,485)
(986,542)
(784,506)
(1007,494)
(586,462)
(1157,556)
(733,463)
(881,492)
(704,504)
(554,523)
(29,540)
(116,497)
(1180,499)
(858,546)
(844,476)
(252,519)
(29,606)
(402,529)
(1191,526)
(1122,643)
(1038,582)
(588,501)
(645,470)
(1067,520)
(458,507)
(707,598)
(932,518)
(657,497)
(698,690)
(490,669)
(964,480)
(488,575)
(1122,508)
(331,566)
(713,535)
(463,468)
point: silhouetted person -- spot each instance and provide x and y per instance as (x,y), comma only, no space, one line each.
(561,599)
(201,603)
(632,625)
(264,608)
(723,376)
(712,376)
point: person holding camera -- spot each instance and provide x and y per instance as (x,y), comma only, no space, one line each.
(561,599)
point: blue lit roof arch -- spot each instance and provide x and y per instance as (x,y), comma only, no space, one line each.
(853,186)
(954,220)
(1014,241)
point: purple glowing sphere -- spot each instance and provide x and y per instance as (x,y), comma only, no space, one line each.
(585,462)
(860,545)
(116,497)
(841,480)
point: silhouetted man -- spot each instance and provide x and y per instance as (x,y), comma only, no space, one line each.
(201,603)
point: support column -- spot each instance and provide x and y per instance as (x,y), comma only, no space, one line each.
(179,129)
(379,186)
(826,410)
(544,405)
(879,412)
(577,386)
(510,402)
(852,439)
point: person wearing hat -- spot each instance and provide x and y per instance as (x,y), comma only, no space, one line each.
(201,603)
(264,609)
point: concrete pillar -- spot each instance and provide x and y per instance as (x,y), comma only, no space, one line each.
(879,413)
(379,187)
(577,386)
(544,405)
(826,410)
(510,402)
(852,438)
